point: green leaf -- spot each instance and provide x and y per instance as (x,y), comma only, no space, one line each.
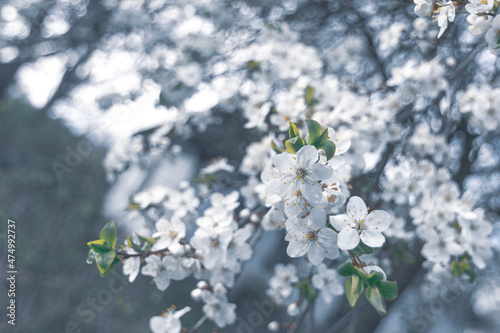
(293,145)
(115,261)
(310,293)
(129,242)
(374,278)
(205,179)
(277,149)
(99,246)
(149,240)
(346,269)
(293,131)
(321,139)
(329,148)
(389,289)
(108,234)
(353,289)
(315,130)
(362,248)
(252,65)
(91,256)
(374,296)
(134,207)
(309,96)
(104,261)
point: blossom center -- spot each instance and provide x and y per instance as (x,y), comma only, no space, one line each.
(312,235)
(301,173)
(360,225)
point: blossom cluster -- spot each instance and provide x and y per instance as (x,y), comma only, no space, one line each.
(482,17)
(312,197)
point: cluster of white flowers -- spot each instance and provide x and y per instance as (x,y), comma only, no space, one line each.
(267,74)
(445,219)
(482,17)
(284,285)
(483,105)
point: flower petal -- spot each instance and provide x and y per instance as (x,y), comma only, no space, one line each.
(372,238)
(342,146)
(284,161)
(348,239)
(316,254)
(306,156)
(378,220)
(312,193)
(297,248)
(341,221)
(157,324)
(356,208)
(317,218)
(319,172)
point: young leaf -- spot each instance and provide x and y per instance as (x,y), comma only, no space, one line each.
(389,289)
(115,261)
(104,261)
(293,131)
(148,240)
(374,296)
(374,278)
(321,139)
(108,234)
(329,148)
(99,246)
(346,269)
(315,130)
(309,96)
(293,145)
(252,65)
(353,289)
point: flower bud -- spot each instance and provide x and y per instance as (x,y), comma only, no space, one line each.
(203,285)
(197,294)
(244,212)
(273,326)
(293,309)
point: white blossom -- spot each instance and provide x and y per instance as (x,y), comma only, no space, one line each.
(358,225)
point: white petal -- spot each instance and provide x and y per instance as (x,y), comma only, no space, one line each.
(341,221)
(319,172)
(317,218)
(378,220)
(316,254)
(306,156)
(157,324)
(348,239)
(162,281)
(342,146)
(372,238)
(327,239)
(356,208)
(284,161)
(297,249)
(312,193)
(336,161)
